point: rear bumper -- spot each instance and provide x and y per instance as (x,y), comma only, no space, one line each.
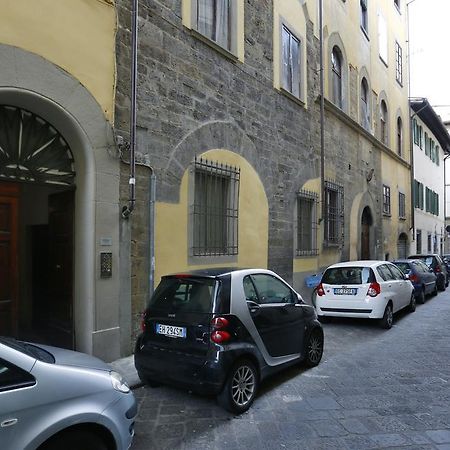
(204,374)
(367,309)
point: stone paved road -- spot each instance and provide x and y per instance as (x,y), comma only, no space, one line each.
(373,389)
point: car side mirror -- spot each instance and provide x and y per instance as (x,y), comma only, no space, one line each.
(407,276)
(300,299)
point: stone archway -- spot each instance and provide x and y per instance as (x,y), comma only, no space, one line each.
(366,223)
(70,108)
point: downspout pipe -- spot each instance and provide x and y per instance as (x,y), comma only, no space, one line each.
(151,234)
(322,115)
(128,209)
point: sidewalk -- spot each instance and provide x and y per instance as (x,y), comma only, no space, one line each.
(125,366)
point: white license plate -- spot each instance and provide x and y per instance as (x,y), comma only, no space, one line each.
(171,331)
(345,291)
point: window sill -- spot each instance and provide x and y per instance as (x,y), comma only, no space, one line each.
(225,52)
(402,218)
(212,259)
(291,96)
(387,215)
(306,253)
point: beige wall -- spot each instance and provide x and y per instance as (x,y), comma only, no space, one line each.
(172,222)
(76,35)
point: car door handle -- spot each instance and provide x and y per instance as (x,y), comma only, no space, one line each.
(252,306)
(8,423)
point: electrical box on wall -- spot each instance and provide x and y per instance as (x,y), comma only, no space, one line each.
(105,264)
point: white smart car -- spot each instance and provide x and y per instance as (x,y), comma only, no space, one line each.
(366,289)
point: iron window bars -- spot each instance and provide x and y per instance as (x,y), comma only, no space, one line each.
(334,214)
(307,223)
(215,208)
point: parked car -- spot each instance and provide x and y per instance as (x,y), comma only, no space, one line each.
(222,331)
(434,261)
(421,276)
(365,289)
(446,259)
(52,399)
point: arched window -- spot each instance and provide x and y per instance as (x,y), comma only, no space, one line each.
(399,136)
(383,123)
(364,105)
(336,64)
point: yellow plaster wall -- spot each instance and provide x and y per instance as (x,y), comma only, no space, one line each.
(293,16)
(76,35)
(344,19)
(171,252)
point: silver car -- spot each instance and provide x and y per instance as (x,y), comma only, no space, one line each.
(51,398)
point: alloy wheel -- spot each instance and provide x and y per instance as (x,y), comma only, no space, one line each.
(243,385)
(315,348)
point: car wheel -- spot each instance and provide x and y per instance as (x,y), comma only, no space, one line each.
(240,387)
(412,303)
(314,348)
(75,439)
(388,317)
(435,290)
(421,296)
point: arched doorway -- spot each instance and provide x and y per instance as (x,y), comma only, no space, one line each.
(37,184)
(402,246)
(366,223)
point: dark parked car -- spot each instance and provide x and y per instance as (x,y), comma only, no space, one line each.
(421,276)
(434,261)
(446,259)
(222,331)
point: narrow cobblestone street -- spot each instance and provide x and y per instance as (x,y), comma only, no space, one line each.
(373,389)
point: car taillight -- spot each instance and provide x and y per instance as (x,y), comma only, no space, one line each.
(143,318)
(437,269)
(219,334)
(414,278)
(320,290)
(374,289)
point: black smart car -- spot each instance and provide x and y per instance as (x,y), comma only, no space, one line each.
(222,331)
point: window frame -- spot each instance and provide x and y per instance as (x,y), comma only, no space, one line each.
(401,205)
(364,16)
(25,379)
(386,200)
(293,36)
(399,136)
(418,241)
(365,104)
(233,34)
(384,123)
(338,97)
(398,63)
(312,199)
(200,246)
(334,228)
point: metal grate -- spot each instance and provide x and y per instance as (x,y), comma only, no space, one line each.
(334,213)
(215,209)
(32,150)
(307,223)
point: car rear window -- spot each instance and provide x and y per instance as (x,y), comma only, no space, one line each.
(348,275)
(403,266)
(184,295)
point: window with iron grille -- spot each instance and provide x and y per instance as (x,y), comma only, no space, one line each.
(398,63)
(215,209)
(307,223)
(401,206)
(334,214)
(386,200)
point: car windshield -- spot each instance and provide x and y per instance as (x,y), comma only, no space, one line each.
(348,275)
(184,295)
(403,266)
(29,349)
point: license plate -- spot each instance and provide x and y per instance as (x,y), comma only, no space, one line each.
(171,331)
(345,291)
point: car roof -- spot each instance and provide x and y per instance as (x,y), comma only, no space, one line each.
(212,272)
(359,263)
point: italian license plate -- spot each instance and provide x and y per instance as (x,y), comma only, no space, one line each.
(345,291)
(171,331)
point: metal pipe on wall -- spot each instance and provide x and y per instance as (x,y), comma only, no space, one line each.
(322,116)
(151,233)
(128,209)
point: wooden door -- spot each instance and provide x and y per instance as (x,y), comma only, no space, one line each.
(9,193)
(60,268)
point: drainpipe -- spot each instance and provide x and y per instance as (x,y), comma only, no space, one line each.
(151,233)
(128,209)
(322,114)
